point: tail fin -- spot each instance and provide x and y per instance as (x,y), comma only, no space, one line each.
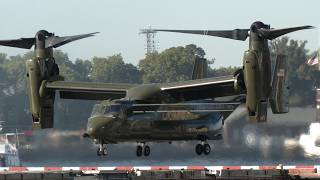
(279,99)
(200,68)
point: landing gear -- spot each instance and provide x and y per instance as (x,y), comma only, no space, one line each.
(143,150)
(139,151)
(203,148)
(206,149)
(199,149)
(146,151)
(102,150)
(99,152)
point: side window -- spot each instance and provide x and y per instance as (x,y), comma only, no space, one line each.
(107,109)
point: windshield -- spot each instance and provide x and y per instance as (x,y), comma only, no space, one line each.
(102,109)
(110,107)
(98,109)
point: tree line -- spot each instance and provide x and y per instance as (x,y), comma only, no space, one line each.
(173,64)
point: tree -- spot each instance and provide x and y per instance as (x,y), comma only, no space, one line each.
(3,75)
(112,69)
(301,77)
(82,70)
(13,95)
(66,66)
(222,71)
(173,64)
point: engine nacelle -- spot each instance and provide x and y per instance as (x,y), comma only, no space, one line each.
(41,106)
(257,107)
(279,100)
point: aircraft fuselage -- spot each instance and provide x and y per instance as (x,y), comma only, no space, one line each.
(156,122)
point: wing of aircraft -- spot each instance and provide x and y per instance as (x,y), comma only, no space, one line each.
(185,90)
(89,90)
(201,88)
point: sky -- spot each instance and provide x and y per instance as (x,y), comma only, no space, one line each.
(119,22)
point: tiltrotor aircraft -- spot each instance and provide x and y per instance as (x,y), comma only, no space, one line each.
(255,76)
(187,110)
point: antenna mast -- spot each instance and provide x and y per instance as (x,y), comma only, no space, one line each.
(150,38)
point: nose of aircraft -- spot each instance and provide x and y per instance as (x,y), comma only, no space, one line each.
(97,126)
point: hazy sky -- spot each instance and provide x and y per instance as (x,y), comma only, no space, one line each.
(119,21)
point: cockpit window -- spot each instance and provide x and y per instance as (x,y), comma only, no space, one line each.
(107,109)
(98,109)
(115,108)
(110,107)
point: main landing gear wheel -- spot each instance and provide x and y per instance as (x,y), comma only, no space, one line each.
(146,151)
(206,149)
(99,152)
(102,150)
(139,151)
(143,150)
(199,149)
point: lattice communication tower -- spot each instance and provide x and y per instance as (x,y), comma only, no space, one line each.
(150,38)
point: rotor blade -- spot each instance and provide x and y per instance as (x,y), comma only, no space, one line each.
(57,41)
(274,33)
(25,43)
(237,34)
